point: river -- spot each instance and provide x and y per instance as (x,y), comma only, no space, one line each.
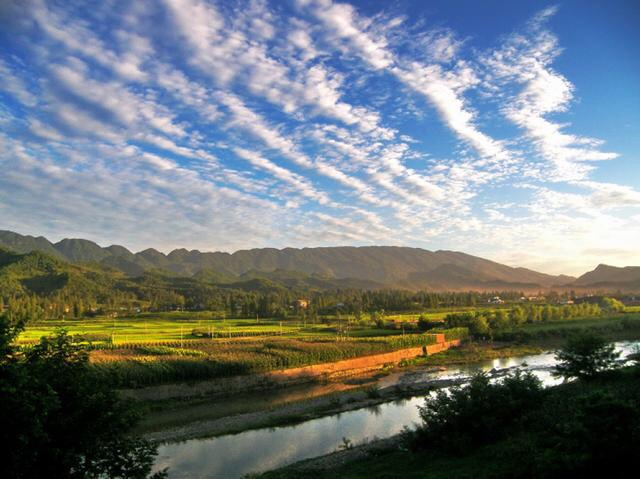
(233,456)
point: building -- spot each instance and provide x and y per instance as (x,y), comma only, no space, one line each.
(302,303)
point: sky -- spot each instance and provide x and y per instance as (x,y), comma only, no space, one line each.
(508,130)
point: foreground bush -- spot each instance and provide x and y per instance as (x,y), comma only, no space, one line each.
(578,429)
(474,414)
(58,421)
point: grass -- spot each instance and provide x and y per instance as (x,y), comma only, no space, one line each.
(474,352)
(164,327)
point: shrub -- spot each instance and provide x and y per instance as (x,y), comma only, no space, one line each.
(477,413)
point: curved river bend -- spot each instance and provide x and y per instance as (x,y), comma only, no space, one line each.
(233,456)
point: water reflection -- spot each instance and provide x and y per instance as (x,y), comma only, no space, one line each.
(233,456)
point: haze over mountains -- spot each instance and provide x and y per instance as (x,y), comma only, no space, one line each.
(362,267)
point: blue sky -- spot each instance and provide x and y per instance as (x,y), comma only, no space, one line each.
(510,130)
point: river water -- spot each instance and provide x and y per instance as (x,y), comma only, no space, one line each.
(233,456)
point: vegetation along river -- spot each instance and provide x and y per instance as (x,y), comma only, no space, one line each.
(233,456)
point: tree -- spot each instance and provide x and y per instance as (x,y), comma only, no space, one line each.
(611,305)
(479,327)
(58,419)
(499,321)
(516,316)
(584,356)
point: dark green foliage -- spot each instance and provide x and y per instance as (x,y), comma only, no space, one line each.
(478,413)
(584,356)
(579,429)
(589,430)
(57,420)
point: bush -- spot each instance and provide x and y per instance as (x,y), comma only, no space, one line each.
(478,413)
(593,434)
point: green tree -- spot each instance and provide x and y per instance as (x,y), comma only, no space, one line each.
(499,321)
(517,316)
(59,420)
(611,305)
(584,356)
(479,326)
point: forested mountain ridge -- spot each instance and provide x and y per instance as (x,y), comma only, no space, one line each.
(36,285)
(360,267)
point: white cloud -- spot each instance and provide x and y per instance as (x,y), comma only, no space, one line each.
(526,60)
(287,176)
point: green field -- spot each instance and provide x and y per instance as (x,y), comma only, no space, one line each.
(176,326)
(153,328)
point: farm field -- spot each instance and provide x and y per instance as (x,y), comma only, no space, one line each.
(154,328)
(184,346)
(141,365)
(171,347)
(178,326)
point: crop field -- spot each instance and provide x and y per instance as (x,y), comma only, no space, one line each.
(169,347)
(184,326)
(134,366)
(157,329)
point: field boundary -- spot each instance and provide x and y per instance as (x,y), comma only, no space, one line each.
(283,377)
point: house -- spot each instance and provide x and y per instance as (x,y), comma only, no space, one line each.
(533,298)
(302,303)
(496,300)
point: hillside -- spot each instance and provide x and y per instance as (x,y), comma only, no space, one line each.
(358,267)
(40,274)
(611,277)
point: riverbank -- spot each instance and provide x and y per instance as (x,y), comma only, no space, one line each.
(206,416)
(602,411)
(175,420)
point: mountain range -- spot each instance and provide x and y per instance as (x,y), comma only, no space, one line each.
(366,267)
